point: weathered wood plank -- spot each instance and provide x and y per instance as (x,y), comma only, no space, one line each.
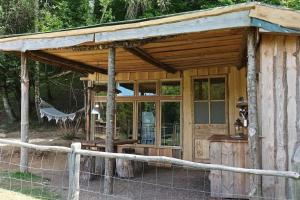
(228,20)
(267,110)
(187,116)
(215,175)
(227,177)
(291,72)
(280,115)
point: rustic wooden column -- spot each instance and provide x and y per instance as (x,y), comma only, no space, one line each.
(110,120)
(253,133)
(88,111)
(24,112)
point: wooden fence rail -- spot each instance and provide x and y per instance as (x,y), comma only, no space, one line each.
(74,163)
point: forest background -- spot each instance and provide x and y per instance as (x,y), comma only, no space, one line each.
(61,88)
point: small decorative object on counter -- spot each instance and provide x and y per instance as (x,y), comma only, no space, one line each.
(241,124)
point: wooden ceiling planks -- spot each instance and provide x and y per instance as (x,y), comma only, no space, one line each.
(222,47)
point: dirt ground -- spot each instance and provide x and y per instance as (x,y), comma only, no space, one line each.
(9,195)
(149,182)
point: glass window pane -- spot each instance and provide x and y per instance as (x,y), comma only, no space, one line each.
(170,88)
(100,119)
(146,122)
(217,112)
(201,113)
(125,89)
(201,89)
(217,88)
(124,120)
(170,123)
(147,89)
(100,89)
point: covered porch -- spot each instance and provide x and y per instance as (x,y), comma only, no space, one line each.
(169,83)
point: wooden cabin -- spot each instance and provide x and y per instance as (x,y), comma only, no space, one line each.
(178,79)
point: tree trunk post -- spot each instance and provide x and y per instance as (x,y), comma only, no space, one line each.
(253,134)
(37,66)
(110,121)
(24,112)
(88,111)
(74,172)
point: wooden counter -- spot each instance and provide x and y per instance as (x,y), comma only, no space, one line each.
(228,151)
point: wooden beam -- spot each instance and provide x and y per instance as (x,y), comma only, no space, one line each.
(64,63)
(24,112)
(87,85)
(253,134)
(271,27)
(149,59)
(110,120)
(224,21)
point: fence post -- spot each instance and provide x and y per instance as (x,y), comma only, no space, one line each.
(296,168)
(74,172)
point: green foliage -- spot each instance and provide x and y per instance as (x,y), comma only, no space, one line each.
(18,16)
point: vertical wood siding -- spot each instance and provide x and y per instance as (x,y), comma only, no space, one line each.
(279,93)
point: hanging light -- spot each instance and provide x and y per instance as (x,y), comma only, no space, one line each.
(96,110)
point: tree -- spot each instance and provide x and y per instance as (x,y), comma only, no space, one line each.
(37,64)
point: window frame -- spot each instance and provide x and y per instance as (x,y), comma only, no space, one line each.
(181,124)
(134,89)
(157,125)
(157,94)
(170,80)
(99,83)
(157,99)
(209,77)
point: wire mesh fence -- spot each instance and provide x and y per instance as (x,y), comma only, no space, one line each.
(47,176)
(136,178)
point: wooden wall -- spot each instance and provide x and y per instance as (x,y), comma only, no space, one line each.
(279,101)
(195,143)
(195,147)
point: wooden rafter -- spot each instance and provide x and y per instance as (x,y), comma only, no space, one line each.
(150,59)
(64,63)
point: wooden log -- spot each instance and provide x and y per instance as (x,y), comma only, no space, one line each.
(254,141)
(194,165)
(74,172)
(88,111)
(36,147)
(125,168)
(163,159)
(87,165)
(24,112)
(110,121)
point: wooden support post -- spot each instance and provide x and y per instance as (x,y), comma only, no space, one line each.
(296,168)
(110,121)
(24,112)
(88,111)
(253,134)
(74,172)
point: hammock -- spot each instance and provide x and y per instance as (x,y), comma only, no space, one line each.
(48,111)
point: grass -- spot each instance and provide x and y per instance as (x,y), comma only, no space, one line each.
(28,184)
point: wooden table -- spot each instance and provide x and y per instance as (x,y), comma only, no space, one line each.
(95,165)
(99,145)
(228,151)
